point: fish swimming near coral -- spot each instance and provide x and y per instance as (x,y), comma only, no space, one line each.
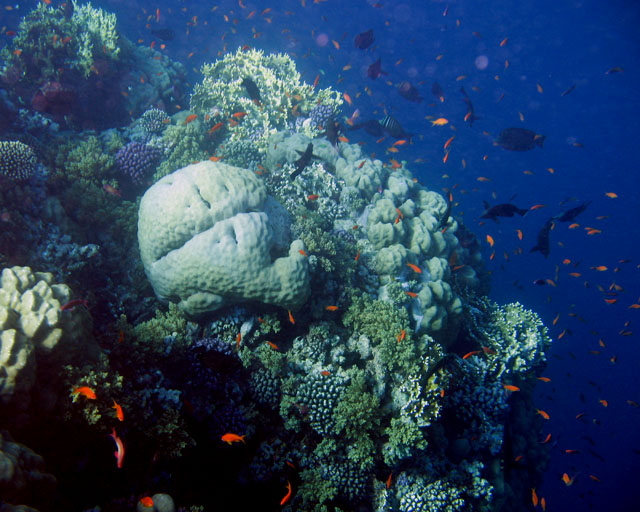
(572,213)
(543,239)
(519,139)
(233,438)
(302,162)
(372,127)
(252,89)
(501,210)
(394,128)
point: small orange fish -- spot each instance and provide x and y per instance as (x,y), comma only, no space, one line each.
(238,115)
(287,496)
(537,207)
(190,118)
(357,256)
(490,240)
(504,42)
(542,413)
(302,252)
(510,387)
(402,335)
(389,480)
(291,319)
(415,268)
(413,295)
(215,158)
(342,138)
(604,403)
(146,502)
(119,453)
(312,197)
(519,232)
(567,479)
(445,158)
(595,478)
(544,379)
(449,141)
(534,497)
(546,439)
(119,413)
(571,452)
(347,98)
(238,340)
(326,373)
(518,458)
(472,353)
(543,504)
(315,82)
(400,142)
(441,121)
(85,391)
(611,195)
(272,345)
(331,308)
(233,438)
(482,178)
(216,127)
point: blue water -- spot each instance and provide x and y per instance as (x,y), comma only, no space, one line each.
(591,140)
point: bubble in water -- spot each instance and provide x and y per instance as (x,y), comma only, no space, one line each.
(482,61)
(322,39)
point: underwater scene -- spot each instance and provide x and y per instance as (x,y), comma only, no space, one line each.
(321,256)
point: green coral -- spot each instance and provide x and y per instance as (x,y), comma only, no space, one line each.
(405,437)
(383,323)
(48,42)
(84,161)
(172,323)
(186,144)
(222,94)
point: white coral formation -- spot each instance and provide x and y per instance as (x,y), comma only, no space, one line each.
(209,236)
(37,337)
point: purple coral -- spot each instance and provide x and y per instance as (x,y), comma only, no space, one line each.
(137,160)
(320,114)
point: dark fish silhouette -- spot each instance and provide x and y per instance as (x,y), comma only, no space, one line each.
(166,34)
(572,213)
(302,162)
(447,212)
(470,117)
(393,128)
(543,239)
(375,70)
(501,210)
(364,40)
(409,92)
(569,90)
(67,9)
(372,127)
(519,139)
(437,91)
(332,131)
(252,89)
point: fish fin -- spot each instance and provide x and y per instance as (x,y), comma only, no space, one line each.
(486,205)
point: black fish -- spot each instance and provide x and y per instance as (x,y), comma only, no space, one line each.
(540,282)
(501,210)
(252,89)
(572,213)
(543,239)
(67,9)
(447,212)
(332,131)
(569,90)
(470,117)
(375,70)
(364,40)
(409,92)
(166,34)
(393,128)
(372,127)
(302,162)
(519,139)
(437,91)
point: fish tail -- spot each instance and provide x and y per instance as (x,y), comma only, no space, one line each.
(540,140)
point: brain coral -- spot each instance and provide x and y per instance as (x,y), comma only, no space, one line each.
(210,236)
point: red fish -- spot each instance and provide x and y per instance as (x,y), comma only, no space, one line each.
(119,413)
(287,496)
(85,391)
(415,268)
(119,453)
(469,354)
(146,502)
(190,118)
(291,319)
(233,438)
(69,306)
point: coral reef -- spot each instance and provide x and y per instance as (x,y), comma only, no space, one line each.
(137,161)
